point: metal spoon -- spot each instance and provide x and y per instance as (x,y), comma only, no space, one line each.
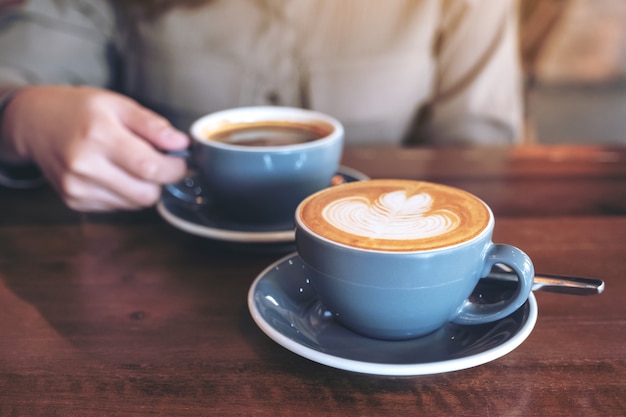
(553,283)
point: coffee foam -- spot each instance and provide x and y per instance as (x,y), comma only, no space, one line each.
(395,215)
(216,130)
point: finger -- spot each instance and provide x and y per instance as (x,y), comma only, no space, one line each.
(90,182)
(83,194)
(134,155)
(97,182)
(99,200)
(153,128)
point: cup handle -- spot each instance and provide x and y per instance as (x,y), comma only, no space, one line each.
(181,153)
(188,190)
(473,313)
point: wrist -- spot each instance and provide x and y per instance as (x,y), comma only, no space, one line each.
(16,170)
(8,150)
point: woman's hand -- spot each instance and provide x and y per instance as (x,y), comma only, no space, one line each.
(97,148)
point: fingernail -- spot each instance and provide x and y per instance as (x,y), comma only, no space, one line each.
(174,136)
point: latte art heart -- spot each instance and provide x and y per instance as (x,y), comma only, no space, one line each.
(391,216)
(394,215)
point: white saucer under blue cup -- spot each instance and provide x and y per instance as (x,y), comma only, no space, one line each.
(193,213)
(286,308)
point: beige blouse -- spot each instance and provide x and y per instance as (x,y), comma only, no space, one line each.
(393,71)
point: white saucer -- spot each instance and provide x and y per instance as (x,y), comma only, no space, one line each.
(202,221)
(285,306)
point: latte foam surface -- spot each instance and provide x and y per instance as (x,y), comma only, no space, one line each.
(395,215)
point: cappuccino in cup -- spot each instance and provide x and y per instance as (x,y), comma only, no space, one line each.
(397,259)
(396,216)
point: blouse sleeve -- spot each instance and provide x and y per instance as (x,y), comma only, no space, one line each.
(478,96)
(52,42)
(57,42)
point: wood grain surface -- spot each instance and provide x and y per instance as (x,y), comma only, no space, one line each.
(124,315)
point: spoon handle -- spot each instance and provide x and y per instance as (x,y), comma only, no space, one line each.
(557,283)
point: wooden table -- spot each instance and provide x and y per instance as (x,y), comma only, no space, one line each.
(123,314)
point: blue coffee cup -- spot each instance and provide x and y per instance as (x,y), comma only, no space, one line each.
(390,293)
(257,163)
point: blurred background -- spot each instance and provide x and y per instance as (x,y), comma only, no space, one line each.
(574,54)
